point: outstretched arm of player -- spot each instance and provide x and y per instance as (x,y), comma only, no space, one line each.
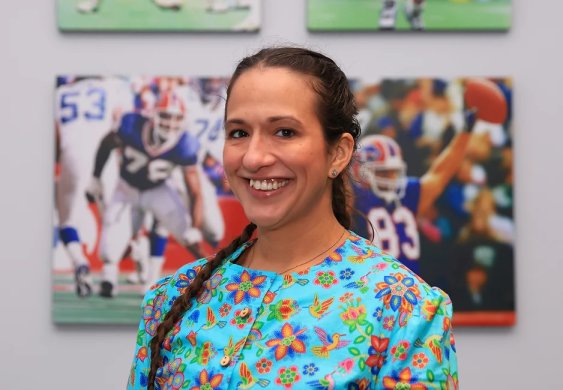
(444,167)
(193,185)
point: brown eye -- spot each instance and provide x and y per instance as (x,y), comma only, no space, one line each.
(238,133)
(285,133)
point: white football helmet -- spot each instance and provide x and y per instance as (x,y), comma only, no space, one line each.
(380,165)
(169,116)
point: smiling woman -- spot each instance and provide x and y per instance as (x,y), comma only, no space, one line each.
(298,299)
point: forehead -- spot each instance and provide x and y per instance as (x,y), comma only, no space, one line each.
(273,90)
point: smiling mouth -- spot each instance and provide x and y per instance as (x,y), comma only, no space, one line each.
(267,185)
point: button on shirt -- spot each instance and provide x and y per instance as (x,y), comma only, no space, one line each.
(359,319)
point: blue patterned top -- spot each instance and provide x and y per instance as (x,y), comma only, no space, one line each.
(358,320)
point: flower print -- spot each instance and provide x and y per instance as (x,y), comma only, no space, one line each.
(388,323)
(380,266)
(152,314)
(142,354)
(269,297)
(347,297)
(184,280)
(191,337)
(346,274)
(283,309)
(346,365)
(398,292)
(432,307)
(406,381)
(169,338)
(377,353)
(310,369)
(326,278)
(240,321)
(225,309)
(264,366)
(420,360)
(334,257)
(288,340)
(360,384)
(287,376)
(378,314)
(354,315)
(245,286)
(204,353)
(400,350)
(210,286)
(207,381)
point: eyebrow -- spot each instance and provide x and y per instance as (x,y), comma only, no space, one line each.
(271,119)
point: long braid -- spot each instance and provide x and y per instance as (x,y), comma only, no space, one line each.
(184,302)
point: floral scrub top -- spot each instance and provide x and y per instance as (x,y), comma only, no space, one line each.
(358,320)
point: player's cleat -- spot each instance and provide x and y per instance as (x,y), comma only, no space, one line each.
(83,281)
(217,7)
(415,19)
(107,289)
(247,25)
(387,16)
(88,6)
(174,5)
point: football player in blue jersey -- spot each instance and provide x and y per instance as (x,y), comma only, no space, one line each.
(413,12)
(391,201)
(151,149)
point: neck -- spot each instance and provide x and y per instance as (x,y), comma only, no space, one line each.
(281,249)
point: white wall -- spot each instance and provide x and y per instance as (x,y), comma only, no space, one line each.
(35,354)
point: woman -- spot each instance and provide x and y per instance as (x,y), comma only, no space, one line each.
(306,303)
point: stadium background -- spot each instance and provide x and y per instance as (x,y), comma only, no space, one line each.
(38,354)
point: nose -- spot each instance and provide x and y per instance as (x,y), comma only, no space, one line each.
(259,153)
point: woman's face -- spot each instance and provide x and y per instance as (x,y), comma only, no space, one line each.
(276,158)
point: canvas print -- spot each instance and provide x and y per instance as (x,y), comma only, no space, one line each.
(139,189)
(159,15)
(409,15)
(436,192)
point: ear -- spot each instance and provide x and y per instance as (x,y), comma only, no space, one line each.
(342,153)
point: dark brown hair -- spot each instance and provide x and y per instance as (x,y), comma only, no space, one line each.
(337,112)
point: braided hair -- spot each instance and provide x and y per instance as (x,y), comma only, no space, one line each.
(336,110)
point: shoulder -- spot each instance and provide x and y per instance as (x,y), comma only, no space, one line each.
(396,287)
(187,149)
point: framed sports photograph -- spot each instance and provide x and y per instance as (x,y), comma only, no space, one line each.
(409,15)
(433,186)
(159,15)
(139,189)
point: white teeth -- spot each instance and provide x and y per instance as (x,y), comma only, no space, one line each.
(267,185)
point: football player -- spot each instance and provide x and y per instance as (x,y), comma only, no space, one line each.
(90,6)
(413,12)
(85,109)
(151,148)
(391,201)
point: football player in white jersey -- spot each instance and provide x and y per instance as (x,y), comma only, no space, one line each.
(90,6)
(84,110)
(413,12)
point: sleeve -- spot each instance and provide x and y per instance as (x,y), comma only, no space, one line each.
(420,351)
(152,312)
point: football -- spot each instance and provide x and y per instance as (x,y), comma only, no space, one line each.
(487,97)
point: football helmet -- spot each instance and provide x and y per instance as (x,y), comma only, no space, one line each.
(380,165)
(169,116)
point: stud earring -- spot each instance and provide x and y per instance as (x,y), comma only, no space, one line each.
(333,173)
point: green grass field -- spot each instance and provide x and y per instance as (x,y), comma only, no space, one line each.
(439,15)
(144,15)
(68,308)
